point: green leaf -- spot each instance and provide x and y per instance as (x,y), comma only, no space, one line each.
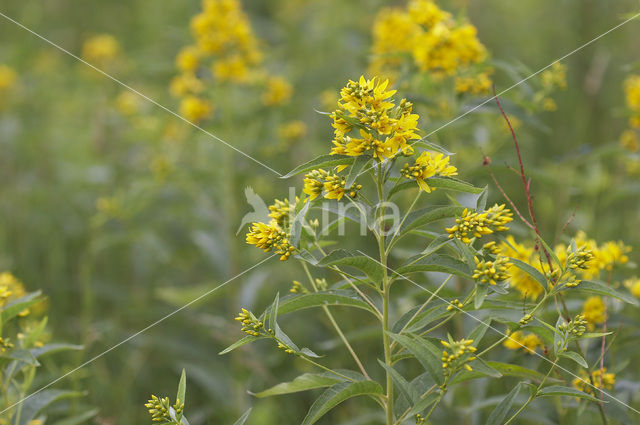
(478,333)
(556,390)
(246,340)
(425,352)
(507,369)
(435,263)
(425,144)
(337,394)
(358,164)
(500,412)
(436,244)
(449,183)
(320,162)
(401,383)
(39,401)
(481,202)
(422,319)
(603,289)
(369,266)
(24,356)
(425,402)
(54,348)
(427,215)
(530,270)
(347,298)
(480,295)
(15,307)
(296,226)
(182,387)
(308,381)
(402,186)
(272,322)
(480,370)
(243,418)
(575,357)
(78,419)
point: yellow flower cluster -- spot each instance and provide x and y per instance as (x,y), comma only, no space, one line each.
(281,212)
(128,103)
(600,379)
(477,224)
(270,237)
(384,128)
(555,77)
(632,94)
(458,355)
(426,166)
(634,286)
(594,311)
(8,78)
(477,84)
(319,181)
(528,342)
(11,289)
(250,324)
(436,41)
(491,272)
(519,279)
(602,257)
(100,50)
(298,288)
(278,91)
(160,409)
(224,41)
(293,130)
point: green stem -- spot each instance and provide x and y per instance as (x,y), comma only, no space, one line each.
(395,234)
(534,395)
(335,324)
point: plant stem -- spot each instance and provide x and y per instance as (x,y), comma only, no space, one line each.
(335,325)
(533,396)
(385,306)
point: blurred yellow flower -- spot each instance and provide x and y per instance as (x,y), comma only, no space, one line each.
(634,286)
(188,59)
(8,77)
(278,91)
(195,109)
(520,280)
(555,76)
(184,84)
(100,49)
(128,103)
(594,311)
(600,378)
(292,130)
(629,141)
(518,340)
(479,84)
(12,289)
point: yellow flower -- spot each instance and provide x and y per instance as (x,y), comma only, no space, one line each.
(233,68)
(334,187)
(100,50)
(634,286)
(518,340)
(188,59)
(270,237)
(555,76)
(601,379)
(278,91)
(127,102)
(491,271)
(459,354)
(184,84)
(426,12)
(292,130)
(477,224)
(548,104)
(12,289)
(520,280)
(384,128)
(629,141)
(195,109)
(8,77)
(426,166)
(314,183)
(479,84)
(594,311)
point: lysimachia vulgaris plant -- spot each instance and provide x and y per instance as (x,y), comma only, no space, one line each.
(473,289)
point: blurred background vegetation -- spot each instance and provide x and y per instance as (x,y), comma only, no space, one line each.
(120,212)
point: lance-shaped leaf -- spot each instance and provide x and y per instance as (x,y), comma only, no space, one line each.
(17,306)
(427,215)
(337,394)
(320,162)
(358,164)
(498,414)
(435,263)
(603,289)
(424,351)
(556,390)
(401,383)
(346,298)
(531,271)
(310,381)
(367,265)
(33,405)
(246,340)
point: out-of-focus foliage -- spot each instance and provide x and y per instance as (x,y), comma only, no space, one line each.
(122,212)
